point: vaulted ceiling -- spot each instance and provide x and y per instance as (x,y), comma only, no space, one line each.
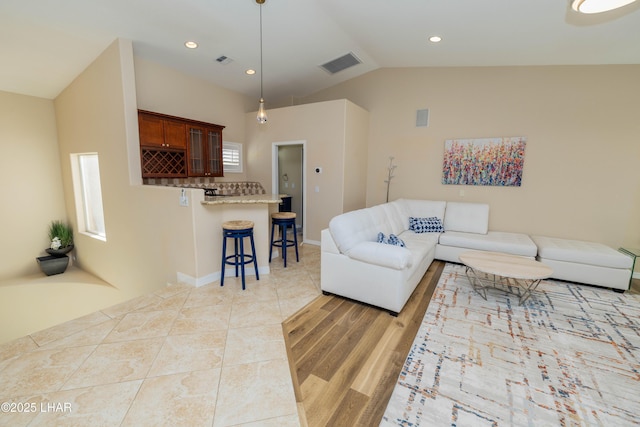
(45,44)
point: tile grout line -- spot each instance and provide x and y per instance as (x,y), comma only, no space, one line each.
(133,400)
(137,324)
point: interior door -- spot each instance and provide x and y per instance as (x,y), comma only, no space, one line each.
(291,178)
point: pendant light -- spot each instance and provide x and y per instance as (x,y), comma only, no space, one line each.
(262,114)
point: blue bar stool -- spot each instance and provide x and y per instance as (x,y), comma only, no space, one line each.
(284,220)
(238,230)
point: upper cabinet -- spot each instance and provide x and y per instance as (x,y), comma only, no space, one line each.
(204,151)
(174,147)
(161,131)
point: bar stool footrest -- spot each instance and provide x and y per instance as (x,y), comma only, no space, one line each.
(235,259)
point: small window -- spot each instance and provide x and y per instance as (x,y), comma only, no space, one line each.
(232,156)
(88,194)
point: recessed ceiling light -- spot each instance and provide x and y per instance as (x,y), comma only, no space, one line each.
(597,6)
(250,72)
(435,39)
(191,45)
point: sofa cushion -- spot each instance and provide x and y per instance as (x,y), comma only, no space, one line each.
(420,209)
(420,244)
(361,225)
(494,241)
(394,212)
(426,225)
(391,256)
(467,217)
(581,252)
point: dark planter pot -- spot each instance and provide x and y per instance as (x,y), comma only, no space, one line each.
(59,252)
(51,265)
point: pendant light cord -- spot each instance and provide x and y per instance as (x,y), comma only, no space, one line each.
(261,97)
(262,114)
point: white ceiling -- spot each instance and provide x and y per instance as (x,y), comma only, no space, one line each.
(45,44)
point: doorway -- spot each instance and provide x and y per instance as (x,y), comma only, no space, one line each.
(289,177)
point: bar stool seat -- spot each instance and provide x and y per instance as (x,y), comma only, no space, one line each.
(238,230)
(284,220)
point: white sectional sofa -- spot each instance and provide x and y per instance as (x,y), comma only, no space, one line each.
(356,266)
(585,262)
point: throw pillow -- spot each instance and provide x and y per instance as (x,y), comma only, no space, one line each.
(395,240)
(426,225)
(392,240)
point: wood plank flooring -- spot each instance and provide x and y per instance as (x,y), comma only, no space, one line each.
(345,357)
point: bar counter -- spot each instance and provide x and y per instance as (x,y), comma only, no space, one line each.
(253,198)
(210,212)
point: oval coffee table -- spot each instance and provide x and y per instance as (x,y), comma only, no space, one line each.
(516,274)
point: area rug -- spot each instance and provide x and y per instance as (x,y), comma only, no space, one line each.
(570,356)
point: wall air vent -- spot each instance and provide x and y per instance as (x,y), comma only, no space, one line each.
(342,63)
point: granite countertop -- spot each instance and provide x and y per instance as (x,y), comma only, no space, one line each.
(253,198)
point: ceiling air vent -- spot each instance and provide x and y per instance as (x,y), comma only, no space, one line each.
(342,63)
(224,60)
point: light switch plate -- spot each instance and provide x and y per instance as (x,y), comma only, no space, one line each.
(184,200)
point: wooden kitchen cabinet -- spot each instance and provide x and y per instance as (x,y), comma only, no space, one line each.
(158,130)
(204,151)
(175,147)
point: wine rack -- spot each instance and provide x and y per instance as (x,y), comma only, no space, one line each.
(163,163)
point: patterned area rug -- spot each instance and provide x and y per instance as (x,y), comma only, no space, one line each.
(570,356)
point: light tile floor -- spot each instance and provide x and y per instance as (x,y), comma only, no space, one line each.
(182,356)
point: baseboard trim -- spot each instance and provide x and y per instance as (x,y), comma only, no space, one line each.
(214,277)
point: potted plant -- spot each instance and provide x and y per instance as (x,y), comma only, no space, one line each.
(61,238)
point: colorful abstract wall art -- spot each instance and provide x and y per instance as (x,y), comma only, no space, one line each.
(485,161)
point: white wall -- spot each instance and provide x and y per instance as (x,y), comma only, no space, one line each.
(356,157)
(97,113)
(324,127)
(581,173)
(30,181)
